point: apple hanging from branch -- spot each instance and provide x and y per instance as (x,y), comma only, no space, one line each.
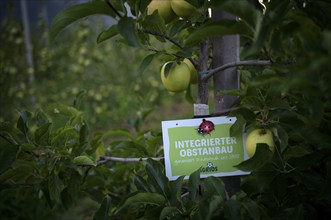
(263,136)
(175,76)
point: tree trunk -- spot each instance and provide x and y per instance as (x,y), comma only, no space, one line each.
(226,50)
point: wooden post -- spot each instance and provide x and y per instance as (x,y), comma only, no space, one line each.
(226,50)
(28,47)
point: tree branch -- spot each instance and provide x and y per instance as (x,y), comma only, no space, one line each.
(146,31)
(106,159)
(234,64)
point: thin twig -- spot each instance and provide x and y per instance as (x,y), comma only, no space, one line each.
(155,33)
(234,64)
(114,9)
(7,137)
(106,159)
(160,51)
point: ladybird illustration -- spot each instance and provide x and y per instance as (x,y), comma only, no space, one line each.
(206,127)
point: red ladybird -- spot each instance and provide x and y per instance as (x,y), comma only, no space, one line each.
(206,127)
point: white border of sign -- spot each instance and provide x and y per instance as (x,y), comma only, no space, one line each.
(194,122)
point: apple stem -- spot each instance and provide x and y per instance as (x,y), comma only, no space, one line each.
(263,131)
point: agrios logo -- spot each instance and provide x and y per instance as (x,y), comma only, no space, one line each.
(209,168)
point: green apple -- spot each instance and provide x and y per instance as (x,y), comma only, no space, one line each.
(193,71)
(164,9)
(175,76)
(259,136)
(182,8)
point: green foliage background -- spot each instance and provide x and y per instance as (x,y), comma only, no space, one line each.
(53,155)
(105,76)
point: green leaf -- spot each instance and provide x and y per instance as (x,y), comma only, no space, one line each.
(188,95)
(282,137)
(168,67)
(274,14)
(72,189)
(126,27)
(193,184)
(147,60)
(22,123)
(243,9)
(214,186)
(83,133)
(143,198)
(41,118)
(107,34)
(295,213)
(176,26)
(157,179)
(251,208)
(103,211)
(154,22)
(295,151)
(169,212)
(252,102)
(42,134)
(8,153)
(210,207)
(62,135)
(46,194)
(232,210)
(55,187)
(83,161)
(130,147)
(238,126)
(76,12)
(219,28)
(100,150)
(316,109)
(175,188)
(246,113)
(141,183)
(316,137)
(78,99)
(277,103)
(261,157)
(117,133)
(325,193)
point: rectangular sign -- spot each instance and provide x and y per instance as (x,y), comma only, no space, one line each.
(202,143)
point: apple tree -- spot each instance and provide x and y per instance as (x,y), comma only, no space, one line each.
(283,63)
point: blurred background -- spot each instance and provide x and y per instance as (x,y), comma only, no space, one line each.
(105,77)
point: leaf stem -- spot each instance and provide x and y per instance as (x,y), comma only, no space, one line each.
(114,10)
(155,33)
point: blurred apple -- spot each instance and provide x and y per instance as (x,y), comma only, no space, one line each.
(182,8)
(193,71)
(164,9)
